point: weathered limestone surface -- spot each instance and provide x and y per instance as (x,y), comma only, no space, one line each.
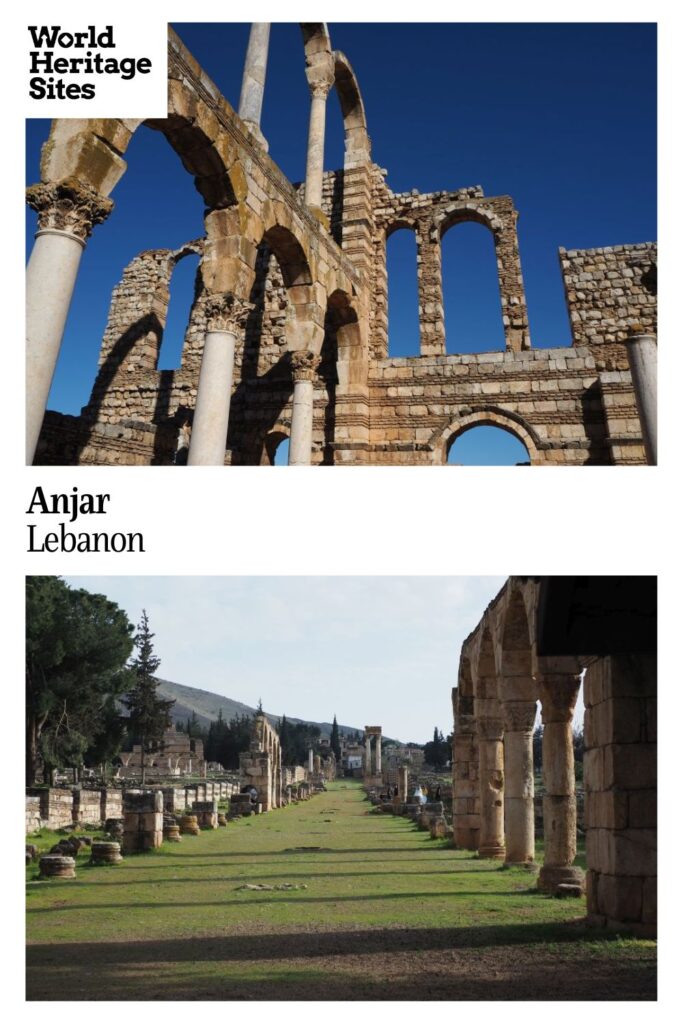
(308,266)
(621,797)
(502,680)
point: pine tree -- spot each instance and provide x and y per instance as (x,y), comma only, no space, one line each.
(149,715)
(334,739)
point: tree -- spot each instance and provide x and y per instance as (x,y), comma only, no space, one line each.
(537,746)
(334,739)
(437,751)
(77,646)
(149,714)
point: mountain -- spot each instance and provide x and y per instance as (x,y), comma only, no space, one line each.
(206,706)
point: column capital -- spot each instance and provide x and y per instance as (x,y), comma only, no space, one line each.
(558,697)
(490,728)
(519,716)
(226,313)
(304,365)
(69,206)
(320,75)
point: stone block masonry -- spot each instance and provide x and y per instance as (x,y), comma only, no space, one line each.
(291,299)
(143,821)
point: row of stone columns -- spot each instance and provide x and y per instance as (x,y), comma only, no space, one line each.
(506,781)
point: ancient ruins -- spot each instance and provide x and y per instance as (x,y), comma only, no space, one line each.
(287,335)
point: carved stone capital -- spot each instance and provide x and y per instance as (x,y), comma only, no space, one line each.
(490,728)
(226,313)
(304,365)
(558,697)
(320,75)
(519,716)
(68,206)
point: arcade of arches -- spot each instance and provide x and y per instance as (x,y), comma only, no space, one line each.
(287,335)
(524,656)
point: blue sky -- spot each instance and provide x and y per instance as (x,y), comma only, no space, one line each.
(370,649)
(560,117)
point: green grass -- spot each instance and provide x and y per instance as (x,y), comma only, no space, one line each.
(373,874)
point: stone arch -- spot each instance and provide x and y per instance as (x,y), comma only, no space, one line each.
(449,217)
(472,297)
(92,151)
(492,416)
(357,148)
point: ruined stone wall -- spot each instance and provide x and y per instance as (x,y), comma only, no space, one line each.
(608,291)
(87,807)
(569,405)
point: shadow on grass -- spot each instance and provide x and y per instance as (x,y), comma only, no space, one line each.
(299,945)
(125,879)
(286,897)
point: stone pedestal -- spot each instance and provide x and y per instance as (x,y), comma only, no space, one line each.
(491,788)
(519,717)
(143,821)
(206,812)
(558,699)
(67,212)
(642,359)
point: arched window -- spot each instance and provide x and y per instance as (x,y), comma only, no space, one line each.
(276,450)
(487,446)
(404,323)
(471,293)
(181,296)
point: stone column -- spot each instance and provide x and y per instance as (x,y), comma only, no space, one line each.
(310,759)
(491,788)
(67,213)
(368,754)
(254,79)
(378,754)
(304,367)
(519,717)
(212,410)
(320,77)
(642,358)
(558,700)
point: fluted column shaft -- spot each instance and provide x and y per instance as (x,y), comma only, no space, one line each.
(519,719)
(491,788)
(558,700)
(67,212)
(304,368)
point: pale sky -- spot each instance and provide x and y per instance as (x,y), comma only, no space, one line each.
(374,650)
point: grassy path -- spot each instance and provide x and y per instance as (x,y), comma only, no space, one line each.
(386,913)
